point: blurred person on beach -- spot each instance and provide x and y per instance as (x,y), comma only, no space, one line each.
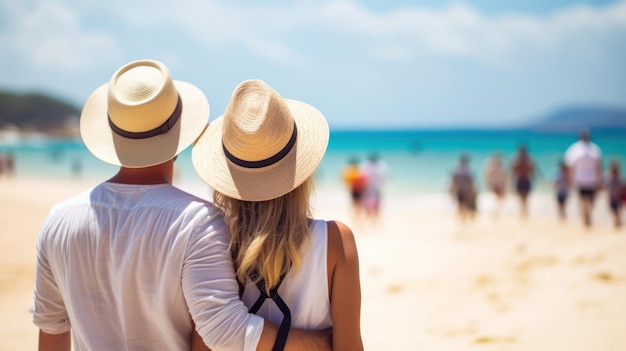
(562,184)
(616,189)
(584,159)
(135,263)
(463,188)
(356,182)
(76,165)
(375,171)
(259,159)
(495,179)
(523,173)
(9,164)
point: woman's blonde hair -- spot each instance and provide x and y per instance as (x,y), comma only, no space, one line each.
(266,235)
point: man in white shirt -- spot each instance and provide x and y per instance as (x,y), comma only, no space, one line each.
(584,159)
(135,263)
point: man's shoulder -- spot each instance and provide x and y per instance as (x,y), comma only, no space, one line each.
(595,147)
(574,150)
(178,194)
(74,200)
(126,196)
(179,198)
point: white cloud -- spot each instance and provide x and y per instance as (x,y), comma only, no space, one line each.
(460,30)
(51,33)
(220,25)
(48,35)
(406,62)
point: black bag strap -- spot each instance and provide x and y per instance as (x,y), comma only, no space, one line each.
(283,330)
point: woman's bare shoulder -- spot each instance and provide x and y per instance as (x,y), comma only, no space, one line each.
(341,241)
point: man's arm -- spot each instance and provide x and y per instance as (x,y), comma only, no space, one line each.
(55,342)
(48,309)
(297,340)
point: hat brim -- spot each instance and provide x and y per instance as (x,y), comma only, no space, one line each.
(262,184)
(112,148)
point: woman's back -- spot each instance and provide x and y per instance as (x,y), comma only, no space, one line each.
(306,290)
(325,291)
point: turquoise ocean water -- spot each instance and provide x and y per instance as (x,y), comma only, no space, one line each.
(419,161)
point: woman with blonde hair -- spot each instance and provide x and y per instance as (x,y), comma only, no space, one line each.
(259,159)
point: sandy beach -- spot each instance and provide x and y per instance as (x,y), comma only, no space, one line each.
(429,281)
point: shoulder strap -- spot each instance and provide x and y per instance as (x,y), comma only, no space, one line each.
(283,330)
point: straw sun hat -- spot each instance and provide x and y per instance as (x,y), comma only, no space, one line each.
(263,147)
(142,117)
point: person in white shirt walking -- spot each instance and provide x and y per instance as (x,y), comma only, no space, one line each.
(584,159)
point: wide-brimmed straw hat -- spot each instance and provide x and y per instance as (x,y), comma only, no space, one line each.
(263,147)
(142,117)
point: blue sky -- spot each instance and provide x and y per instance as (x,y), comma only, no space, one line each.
(364,64)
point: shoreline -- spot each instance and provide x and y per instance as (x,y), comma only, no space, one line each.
(428,281)
(419,161)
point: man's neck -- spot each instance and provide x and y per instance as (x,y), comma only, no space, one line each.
(159,174)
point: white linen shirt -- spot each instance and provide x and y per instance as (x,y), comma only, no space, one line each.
(127,267)
(583,158)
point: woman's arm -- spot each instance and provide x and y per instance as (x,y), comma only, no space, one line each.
(345,287)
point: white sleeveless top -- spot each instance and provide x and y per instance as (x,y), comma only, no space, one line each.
(305,291)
